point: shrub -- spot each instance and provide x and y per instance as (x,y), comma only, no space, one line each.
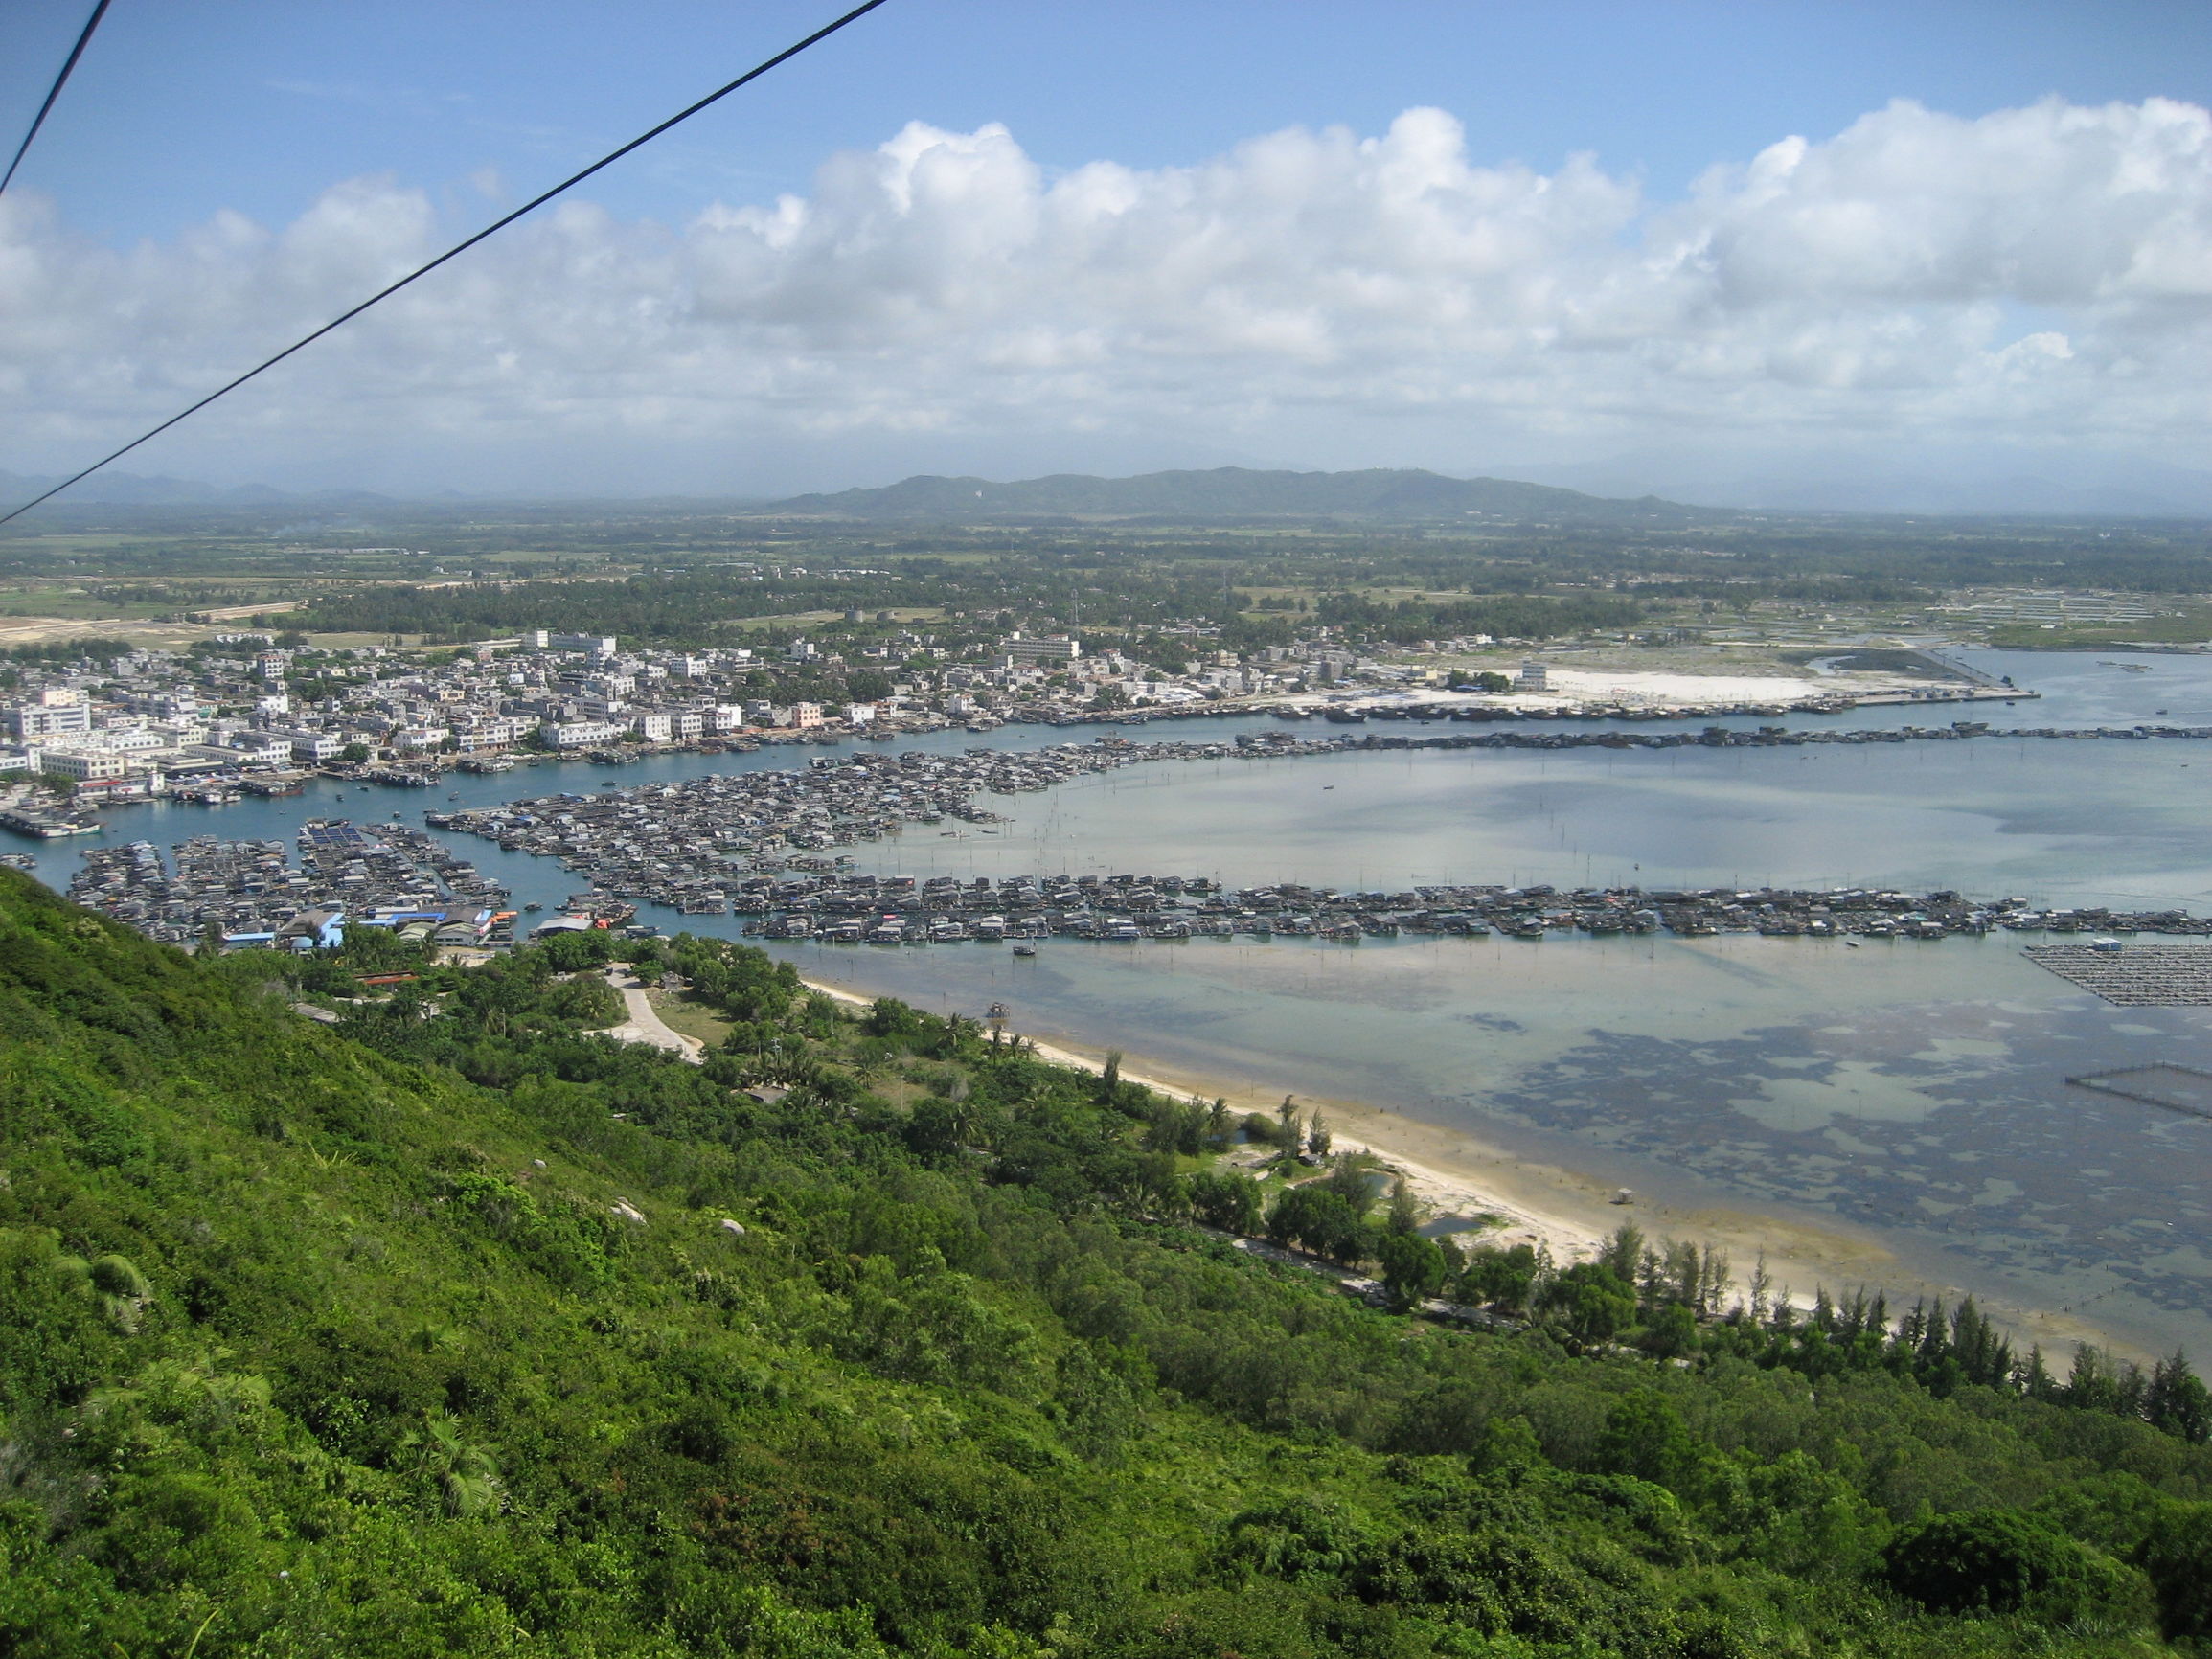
(1996,1560)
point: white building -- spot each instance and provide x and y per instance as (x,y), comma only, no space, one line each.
(316,747)
(578,733)
(82,765)
(61,712)
(1050,649)
(491,731)
(599,646)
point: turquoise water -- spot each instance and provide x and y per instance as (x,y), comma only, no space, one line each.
(1911,1093)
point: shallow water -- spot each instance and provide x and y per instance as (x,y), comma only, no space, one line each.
(1913,1092)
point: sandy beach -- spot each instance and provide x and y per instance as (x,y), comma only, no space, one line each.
(1457,1175)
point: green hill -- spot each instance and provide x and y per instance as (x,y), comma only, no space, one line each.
(430,1333)
(1232,493)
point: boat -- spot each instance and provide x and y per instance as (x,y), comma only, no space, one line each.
(534,905)
(1022,947)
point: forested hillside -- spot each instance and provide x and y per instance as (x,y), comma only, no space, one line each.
(449,1330)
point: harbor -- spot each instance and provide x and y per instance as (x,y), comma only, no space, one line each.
(248,893)
(1909,1088)
(764,847)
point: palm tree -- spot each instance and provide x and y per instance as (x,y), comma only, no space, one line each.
(467,1475)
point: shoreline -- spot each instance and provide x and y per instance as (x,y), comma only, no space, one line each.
(1453,1173)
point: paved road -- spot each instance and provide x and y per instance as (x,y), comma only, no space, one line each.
(645,1024)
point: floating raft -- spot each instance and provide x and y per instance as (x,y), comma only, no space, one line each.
(2145,976)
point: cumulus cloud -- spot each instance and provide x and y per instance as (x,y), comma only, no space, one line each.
(2044,273)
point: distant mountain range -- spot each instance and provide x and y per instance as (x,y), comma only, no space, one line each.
(136,490)
(1227,492)
(1380,494)
(1590,493)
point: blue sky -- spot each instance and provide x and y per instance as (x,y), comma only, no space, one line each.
(183,118)
(261,105)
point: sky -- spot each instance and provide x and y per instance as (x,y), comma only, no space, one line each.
(1771,253)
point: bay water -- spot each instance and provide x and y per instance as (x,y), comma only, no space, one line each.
(1910,1094)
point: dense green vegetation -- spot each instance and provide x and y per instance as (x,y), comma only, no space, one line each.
(451,1329)
(1393,564)
(2187,626)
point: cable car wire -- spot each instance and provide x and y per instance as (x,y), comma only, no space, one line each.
(537,201)
(53,92)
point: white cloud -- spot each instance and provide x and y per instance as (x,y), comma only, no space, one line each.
(2041,275)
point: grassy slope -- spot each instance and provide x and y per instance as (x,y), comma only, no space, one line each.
(402,1380)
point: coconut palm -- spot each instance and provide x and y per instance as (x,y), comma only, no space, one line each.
(467,1474)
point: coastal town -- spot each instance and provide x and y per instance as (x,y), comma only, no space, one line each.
(781,847)
(237,714)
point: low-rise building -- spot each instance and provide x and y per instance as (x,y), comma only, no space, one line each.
(1047,649)
(82,765)
(599,645)
(316,747)
(57,712)
(578,733)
